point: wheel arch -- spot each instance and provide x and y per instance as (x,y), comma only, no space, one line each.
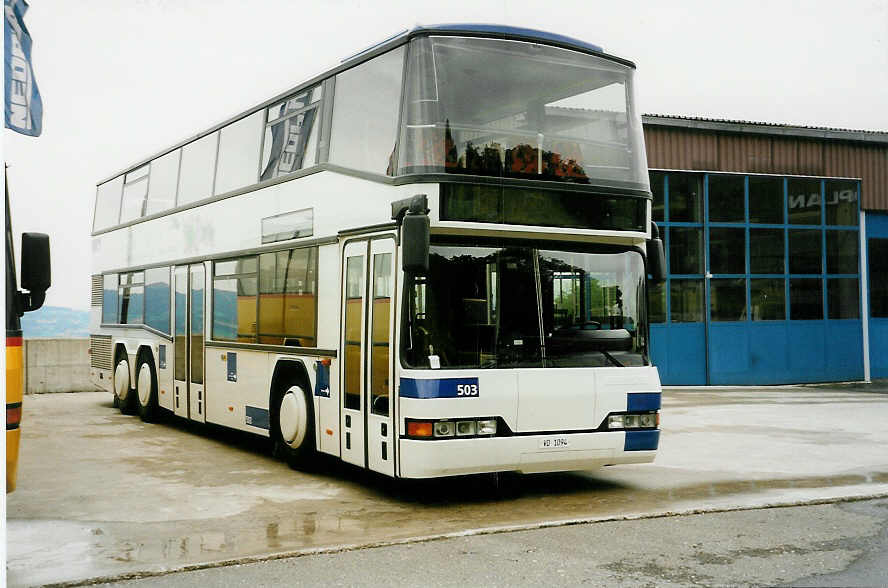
(146,350)
(288,370)
(121,347)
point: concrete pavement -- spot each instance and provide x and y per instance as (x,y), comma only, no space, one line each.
(104,495)
(843,544)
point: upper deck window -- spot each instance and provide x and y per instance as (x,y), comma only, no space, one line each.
(521,110)
(197,169)
(238,159)
(291,134)
(135,189)
(365,114)
(107,213)
(164,179)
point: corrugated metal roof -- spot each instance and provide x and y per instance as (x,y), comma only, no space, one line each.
(765,128)
(735,147)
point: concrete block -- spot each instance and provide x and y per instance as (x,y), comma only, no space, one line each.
(56,365)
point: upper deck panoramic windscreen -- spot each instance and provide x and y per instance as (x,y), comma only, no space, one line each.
(521,110)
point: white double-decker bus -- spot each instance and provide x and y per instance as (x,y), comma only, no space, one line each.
(428,261)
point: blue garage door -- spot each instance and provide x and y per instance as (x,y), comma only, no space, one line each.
(763,281)
(877,258)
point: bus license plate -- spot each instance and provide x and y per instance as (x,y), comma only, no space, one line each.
(554,443)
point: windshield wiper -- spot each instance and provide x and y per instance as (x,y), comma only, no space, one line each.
(611,358)
(556,361)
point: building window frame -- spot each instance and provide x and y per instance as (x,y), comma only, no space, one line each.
(705,225)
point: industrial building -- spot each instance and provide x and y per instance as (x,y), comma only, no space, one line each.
(777,252)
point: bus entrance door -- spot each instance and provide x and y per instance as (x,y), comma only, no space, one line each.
(353,313)
(196,392)
(367,368)
(379,375)
(188,392)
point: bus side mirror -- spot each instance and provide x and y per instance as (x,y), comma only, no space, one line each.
(656,258)
(413,214)
(415,244)
(36,275)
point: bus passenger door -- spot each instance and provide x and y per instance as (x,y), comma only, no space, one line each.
(353,312)
(180,342)
(196,397)
(188,346)
(380,437)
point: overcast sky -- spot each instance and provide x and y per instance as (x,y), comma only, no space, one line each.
(122,79)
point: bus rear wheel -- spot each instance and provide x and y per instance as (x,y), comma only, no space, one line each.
(146,388)
(293,427)
(122,390)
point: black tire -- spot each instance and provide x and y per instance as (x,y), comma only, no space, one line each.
(295,445)
(147,407)
(127,405)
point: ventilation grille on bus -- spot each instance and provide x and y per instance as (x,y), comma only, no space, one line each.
(97,284)
(100,352)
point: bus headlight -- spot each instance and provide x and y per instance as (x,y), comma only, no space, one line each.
(465,428)
(647,420)
(444,429)
(487,427)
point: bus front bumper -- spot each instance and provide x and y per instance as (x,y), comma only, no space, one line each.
(524,453)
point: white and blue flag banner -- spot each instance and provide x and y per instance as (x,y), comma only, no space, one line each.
(24,109)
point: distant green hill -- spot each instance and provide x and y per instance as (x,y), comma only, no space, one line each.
(56,321)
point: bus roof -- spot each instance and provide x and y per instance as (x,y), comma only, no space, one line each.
(487,30)
(469,29)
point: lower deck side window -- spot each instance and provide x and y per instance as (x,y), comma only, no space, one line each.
(271,300)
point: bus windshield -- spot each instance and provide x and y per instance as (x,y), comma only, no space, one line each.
(515,109)
(503,306)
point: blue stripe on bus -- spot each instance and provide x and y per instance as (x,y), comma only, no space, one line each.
(257,417)
(641,440)
(643,401)
(443,388)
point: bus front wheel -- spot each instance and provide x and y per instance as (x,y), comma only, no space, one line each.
(146,388)
(293,427)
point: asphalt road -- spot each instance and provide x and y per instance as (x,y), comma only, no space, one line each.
(844,544)
(102,496)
